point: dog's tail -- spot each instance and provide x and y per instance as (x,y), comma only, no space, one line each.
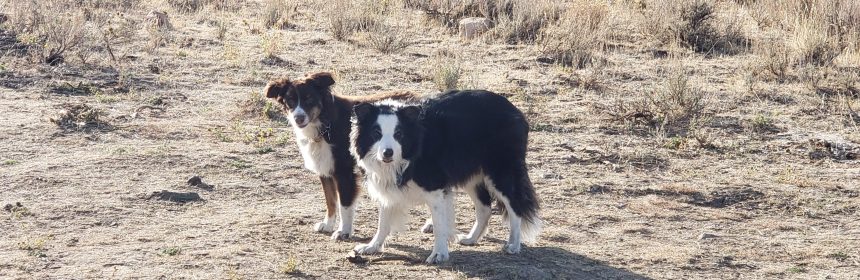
(524,202)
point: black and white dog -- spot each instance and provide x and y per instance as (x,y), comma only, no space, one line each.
(321,121)
(420,153)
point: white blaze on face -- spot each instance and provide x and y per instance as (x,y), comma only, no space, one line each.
(387,125)
(299,113)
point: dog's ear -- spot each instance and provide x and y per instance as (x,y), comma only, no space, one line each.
(411,113)
(363,110)
(321,79)
(277,88)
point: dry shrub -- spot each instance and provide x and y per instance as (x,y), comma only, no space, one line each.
(277,14)
(50,28)
(692,25)
(521,20)
(271,43)
(448,12)
(80,117)
(348,16)
(817,32)
(446,73)
(387,39)
(578,35)
(675,109)
(773,60)
(258,106)
(193,6)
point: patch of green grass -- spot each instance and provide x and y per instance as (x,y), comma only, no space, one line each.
(265,150)
(839,256)
(241,164)
(34,246)
(289,267)
(797,269)
(10,162)
(674,143)
(101,97)
(171,251)
(221,134)
(761,123)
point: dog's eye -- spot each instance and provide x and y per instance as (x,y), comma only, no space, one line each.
(377,132)
(398,134)
(291,101)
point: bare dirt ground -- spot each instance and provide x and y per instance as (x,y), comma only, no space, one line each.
(771,192)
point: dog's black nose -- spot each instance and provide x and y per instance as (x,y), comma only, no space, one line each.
(387,153)
(300,118)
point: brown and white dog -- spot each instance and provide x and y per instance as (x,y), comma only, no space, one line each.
(321,121)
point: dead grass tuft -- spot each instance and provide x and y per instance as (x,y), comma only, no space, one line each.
(48,27)
(578,35)
(258,106)
(692,25)
(446,73)
(348,16)
(387,39)
(80,117)
(278,13)
(521,20)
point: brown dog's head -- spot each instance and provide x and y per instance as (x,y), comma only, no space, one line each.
(303,99)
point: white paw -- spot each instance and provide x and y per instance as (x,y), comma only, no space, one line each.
(366,249)
(427,228)
(512,248)
(465,240)
(324,227)
(437,257)
(340,235)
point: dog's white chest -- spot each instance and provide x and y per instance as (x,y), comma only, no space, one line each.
(317,155)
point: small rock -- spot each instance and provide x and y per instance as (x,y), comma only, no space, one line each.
(471,27)
(706,235)
(158,19)
(175,196)
(355,258)
(196,181)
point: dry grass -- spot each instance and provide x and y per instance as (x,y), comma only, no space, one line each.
(644,169)
(691,25)
(278,13)
(522,20)
(578,35)
(345,17)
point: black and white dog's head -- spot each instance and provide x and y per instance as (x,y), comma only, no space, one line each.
(386,135)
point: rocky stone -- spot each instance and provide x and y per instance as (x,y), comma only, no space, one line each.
(471,27)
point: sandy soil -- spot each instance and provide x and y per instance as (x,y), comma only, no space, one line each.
(618,202)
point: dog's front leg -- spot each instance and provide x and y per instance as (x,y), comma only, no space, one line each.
(386,212)
(441,204)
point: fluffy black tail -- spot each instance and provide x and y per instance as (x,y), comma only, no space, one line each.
(525,204)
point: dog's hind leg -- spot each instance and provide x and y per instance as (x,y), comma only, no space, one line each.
(428,226)
(481,197)
(347,194)
(510,184)
(330,192)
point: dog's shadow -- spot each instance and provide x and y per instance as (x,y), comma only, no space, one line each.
(531,263)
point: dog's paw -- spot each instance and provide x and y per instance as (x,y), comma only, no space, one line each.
(324,227)
(366,249)
(427,228)
(464,239)
(341,236)
(512,249)
(437,257)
